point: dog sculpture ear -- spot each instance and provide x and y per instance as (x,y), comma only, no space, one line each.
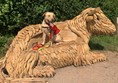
(44,14)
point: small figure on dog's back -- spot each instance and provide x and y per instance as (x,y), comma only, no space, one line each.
(48,29)
(48,18)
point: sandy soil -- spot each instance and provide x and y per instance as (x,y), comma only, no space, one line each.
(103,72)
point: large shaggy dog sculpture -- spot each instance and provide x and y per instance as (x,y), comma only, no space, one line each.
(22,61)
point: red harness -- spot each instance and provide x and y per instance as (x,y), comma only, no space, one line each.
(55,30)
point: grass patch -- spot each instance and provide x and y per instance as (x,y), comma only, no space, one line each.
(104,43)
(4,44)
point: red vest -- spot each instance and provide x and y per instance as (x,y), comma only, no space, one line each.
(55,29)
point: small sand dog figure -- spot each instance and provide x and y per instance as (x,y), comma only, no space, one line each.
(49,30)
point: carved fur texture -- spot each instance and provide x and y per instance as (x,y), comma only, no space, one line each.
(22,61)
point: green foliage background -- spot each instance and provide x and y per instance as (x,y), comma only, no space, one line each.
(16,14)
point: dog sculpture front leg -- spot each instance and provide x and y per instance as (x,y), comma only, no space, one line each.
(43,71)
(86,57)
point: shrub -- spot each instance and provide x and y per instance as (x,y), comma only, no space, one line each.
(4,44)
(104,43)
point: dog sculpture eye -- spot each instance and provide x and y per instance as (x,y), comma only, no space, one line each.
(48,15)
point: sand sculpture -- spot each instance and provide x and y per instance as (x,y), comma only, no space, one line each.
(21,61)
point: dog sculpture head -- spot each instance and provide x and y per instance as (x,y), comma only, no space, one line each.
(97,22)
(91,21)
(49,17)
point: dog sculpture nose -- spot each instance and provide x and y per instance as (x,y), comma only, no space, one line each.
(53,19)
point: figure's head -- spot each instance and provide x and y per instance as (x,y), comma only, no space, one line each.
(97,22)
(49,16)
